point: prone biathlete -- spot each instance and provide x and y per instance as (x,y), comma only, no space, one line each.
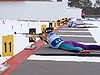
(70,23)
(54,41)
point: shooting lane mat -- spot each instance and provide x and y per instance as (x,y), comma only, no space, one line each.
(70,34)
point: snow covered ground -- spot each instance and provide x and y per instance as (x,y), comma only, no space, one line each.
(20,41)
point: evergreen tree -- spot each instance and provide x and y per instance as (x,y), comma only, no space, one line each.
(80,3)
(86,6)
(72,3)
(97,4)
(85,3)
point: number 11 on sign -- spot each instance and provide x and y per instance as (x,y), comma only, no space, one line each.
(7,45)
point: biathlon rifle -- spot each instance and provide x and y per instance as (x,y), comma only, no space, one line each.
(40,35)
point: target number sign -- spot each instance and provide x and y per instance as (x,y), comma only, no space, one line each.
(7,45)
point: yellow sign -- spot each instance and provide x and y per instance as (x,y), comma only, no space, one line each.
(43,27)
(32,31)
(7,45)
(55,24)
(64,18)
(61,21)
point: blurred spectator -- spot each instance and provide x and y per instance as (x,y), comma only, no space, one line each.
(83,15)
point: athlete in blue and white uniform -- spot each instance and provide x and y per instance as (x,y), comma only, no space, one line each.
(54,40)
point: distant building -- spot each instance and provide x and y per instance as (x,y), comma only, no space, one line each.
(41,9)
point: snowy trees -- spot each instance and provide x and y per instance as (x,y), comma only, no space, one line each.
(88,7)
(80,3)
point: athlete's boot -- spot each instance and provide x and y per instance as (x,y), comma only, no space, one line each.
(84,51)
